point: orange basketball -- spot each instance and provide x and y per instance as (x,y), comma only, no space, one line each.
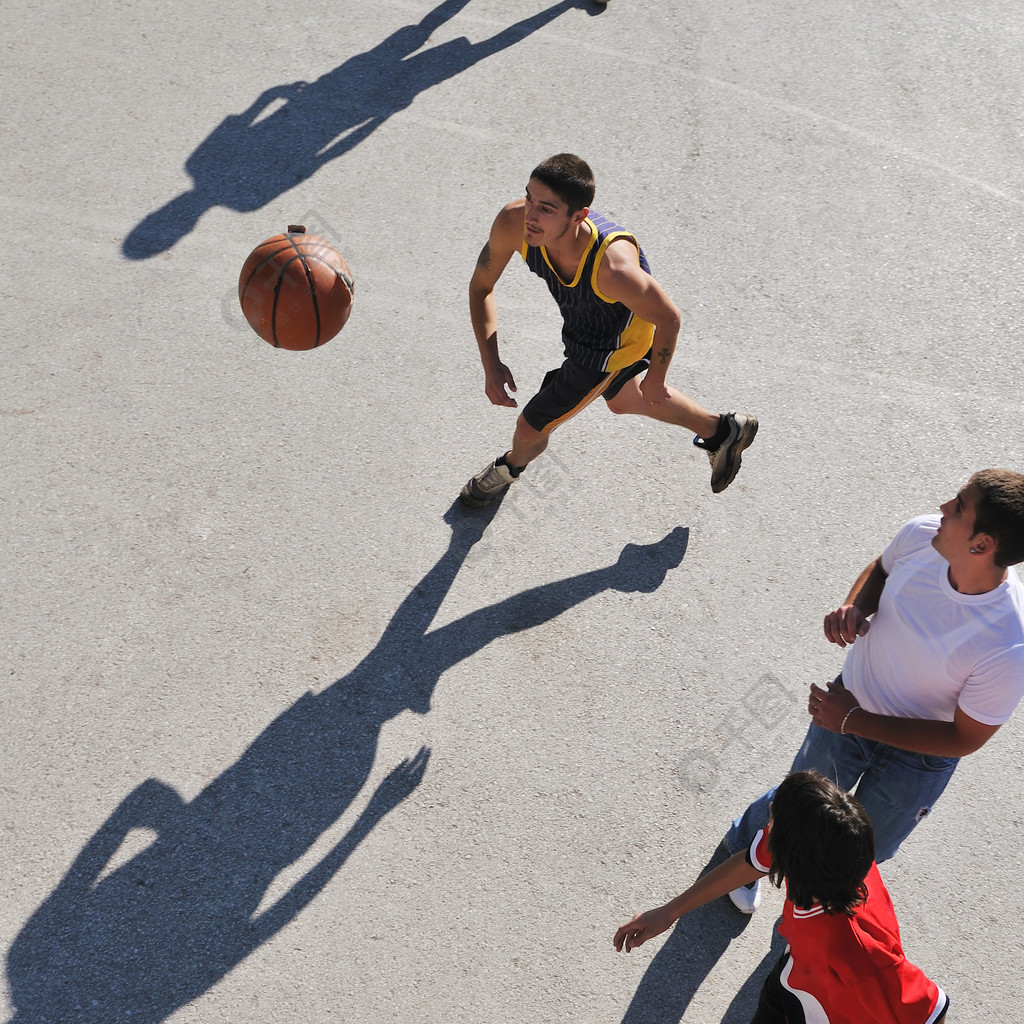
(296,290)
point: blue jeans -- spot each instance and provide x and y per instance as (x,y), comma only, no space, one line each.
(897,787)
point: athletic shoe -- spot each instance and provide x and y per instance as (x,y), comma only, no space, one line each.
(489,484)
(726,458)
(746,899)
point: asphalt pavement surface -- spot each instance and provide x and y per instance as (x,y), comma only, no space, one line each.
(289,735)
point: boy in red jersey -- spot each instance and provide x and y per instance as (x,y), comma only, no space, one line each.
(844,961)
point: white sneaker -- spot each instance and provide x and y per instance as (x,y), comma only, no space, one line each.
(746,899)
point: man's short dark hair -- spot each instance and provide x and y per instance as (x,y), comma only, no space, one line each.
(1000,512)
(569,177)
(821,842)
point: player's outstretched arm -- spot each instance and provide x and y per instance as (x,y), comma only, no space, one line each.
(736,871)
(623,279)
(505,239)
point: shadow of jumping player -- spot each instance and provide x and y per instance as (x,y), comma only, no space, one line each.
(291,131)
(137,941)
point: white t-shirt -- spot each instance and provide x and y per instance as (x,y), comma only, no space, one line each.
(931,649)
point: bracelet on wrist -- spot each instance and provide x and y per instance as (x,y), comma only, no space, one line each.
(842,727)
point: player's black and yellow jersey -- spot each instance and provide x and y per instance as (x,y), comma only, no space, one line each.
(598,333)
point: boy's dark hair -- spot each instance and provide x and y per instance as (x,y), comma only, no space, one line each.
(1000,512)
(821,842)
(569,177)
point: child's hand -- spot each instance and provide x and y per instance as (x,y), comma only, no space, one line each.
(641,928)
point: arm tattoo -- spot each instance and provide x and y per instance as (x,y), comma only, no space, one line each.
(664,355)
(484,259)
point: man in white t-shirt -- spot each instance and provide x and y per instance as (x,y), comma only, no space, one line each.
(936,664)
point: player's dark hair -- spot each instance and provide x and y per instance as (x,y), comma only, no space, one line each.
(821,843)
(1000,512)
(569,177)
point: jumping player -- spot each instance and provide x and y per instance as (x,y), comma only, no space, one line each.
(844,961)
(618,324)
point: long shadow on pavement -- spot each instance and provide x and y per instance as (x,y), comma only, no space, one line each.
(136,941)
(742,1007)
(291,130)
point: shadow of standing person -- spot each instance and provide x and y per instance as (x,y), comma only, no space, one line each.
(136,941)
(291,131)
(744,1004)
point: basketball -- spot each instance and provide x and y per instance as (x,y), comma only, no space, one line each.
(296,290)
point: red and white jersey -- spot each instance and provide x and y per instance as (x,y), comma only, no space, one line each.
(850,970)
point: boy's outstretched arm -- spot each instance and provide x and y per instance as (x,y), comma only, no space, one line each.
(736,871)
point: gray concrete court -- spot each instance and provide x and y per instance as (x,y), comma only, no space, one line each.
(289,739)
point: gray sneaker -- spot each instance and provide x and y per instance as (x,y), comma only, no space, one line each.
(726,458)
(489,484)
